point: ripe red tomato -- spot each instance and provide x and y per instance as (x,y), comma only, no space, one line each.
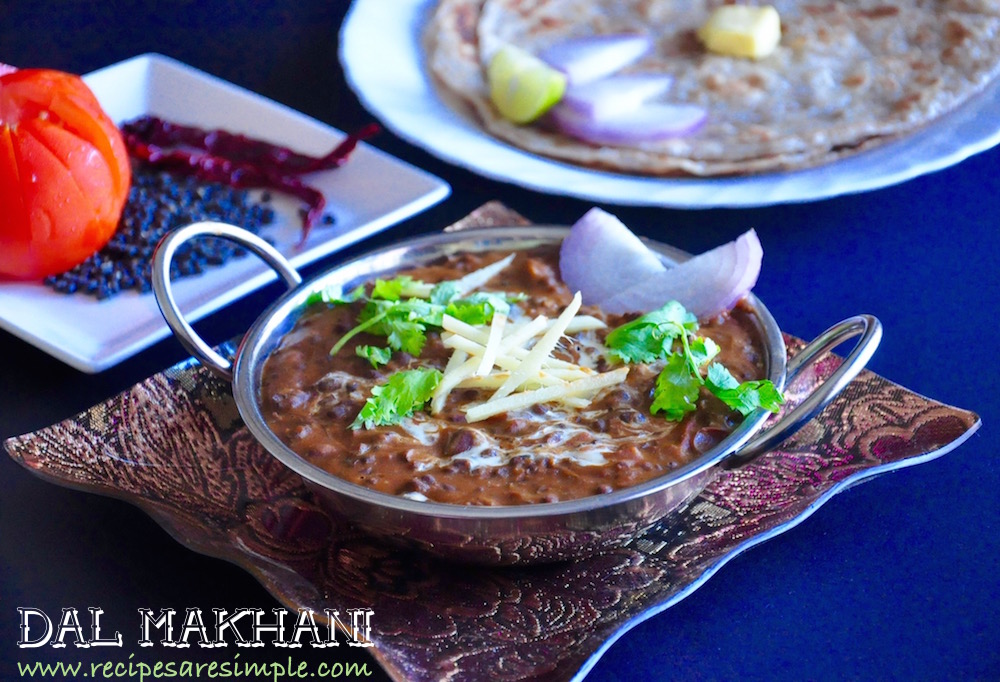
(64,173)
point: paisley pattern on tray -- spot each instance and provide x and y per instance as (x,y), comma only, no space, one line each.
(175,446)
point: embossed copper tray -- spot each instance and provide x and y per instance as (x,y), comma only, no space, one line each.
(174,446)
(506,534)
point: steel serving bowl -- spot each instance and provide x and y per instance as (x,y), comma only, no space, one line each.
(509,534)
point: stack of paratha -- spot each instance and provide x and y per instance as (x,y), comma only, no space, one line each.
(847,75)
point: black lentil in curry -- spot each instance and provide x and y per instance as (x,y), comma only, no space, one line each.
(544,453)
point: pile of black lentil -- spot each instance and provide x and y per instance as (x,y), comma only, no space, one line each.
(159,202)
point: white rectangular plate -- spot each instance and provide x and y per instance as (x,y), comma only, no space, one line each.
(369,193)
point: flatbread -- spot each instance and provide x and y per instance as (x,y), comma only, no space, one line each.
(847,75)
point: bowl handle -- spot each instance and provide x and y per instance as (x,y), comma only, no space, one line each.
(870,330)
(164,253)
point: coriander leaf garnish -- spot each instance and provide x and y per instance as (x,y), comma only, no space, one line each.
(407,335)
(676,391)
(367,324)
(374,354)
(444,292)
(334,295)
(499,302)
(703,350)
(387,289)
(478,308)
(743,397)
(398,398)
(648,338)
(403,323)
(402,309)
(471,312)
(396,288)
(652,337)
(721,378)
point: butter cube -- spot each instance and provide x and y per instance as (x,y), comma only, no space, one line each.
(742,31)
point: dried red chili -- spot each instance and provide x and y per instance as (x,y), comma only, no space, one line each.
(236,160)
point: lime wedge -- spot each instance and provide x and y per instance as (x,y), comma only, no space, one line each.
(522,86)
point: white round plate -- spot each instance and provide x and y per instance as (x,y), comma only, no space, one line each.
(380,49)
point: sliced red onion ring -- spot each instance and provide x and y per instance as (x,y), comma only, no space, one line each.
(615,95)
(587,59)
(600,257)
(646,123)
(706,285)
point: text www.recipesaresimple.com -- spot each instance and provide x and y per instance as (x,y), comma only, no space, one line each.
(228,669)
(246,627)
